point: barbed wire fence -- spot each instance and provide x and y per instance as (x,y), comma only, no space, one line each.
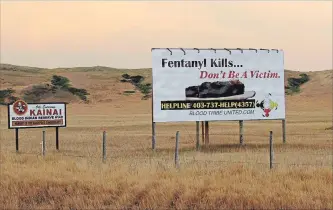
(107,148)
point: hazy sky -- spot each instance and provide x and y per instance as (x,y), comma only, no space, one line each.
(121,34)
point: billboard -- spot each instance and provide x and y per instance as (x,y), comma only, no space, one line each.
(35,115)
(217,84)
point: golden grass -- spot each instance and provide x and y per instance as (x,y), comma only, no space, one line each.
(223,175)
(61,182)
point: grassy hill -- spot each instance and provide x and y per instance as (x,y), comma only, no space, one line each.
(222,175)
(103,83)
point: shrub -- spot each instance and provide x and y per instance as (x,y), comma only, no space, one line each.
(81,93)
(126,76)
(137,82)
(292,89)
(295,83)
(136,79)
(145,97)
(129,91)
(60,81)
(37,92)
(63,83)
(6,95)
(145,88)
(304,78)
(12,99)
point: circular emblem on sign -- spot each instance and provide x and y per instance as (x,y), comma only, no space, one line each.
(20,107)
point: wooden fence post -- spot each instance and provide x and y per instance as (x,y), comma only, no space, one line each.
(153,141)
(43,144)
(241,132)
(104,146)
(176,150)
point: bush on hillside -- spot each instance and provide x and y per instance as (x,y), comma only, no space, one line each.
(60,81)
(304,78)
(63,83)
(129,92)
(145,88)
(126,76)
(145,97)
(6,93)
(81,93)
(6,96)
(137,81)
(295,83)
(37,92)
(58,84)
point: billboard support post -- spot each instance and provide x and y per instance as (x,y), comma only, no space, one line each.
(271,149)
(206,132)
(284,131)
(203,131)
(197,130)
(153,125)
(153,136)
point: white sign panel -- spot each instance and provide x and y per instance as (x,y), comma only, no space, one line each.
(209,85)
(24,115)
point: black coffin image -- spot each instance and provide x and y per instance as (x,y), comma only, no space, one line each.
(232,90)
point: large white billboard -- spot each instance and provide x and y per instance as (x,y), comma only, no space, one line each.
(24,115)
(216,85)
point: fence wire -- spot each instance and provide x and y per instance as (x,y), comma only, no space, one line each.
(88,145)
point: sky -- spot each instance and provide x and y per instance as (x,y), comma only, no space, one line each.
(121,34)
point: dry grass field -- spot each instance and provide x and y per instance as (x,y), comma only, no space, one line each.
(222,175)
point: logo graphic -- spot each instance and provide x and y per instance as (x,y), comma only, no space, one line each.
(20,107)
(267,105)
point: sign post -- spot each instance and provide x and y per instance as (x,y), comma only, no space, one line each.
(22,115)
(17,139)
(57,138)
